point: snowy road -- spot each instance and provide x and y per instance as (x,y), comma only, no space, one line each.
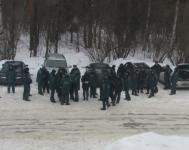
(82,125)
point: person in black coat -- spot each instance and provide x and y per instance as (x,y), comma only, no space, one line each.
(40,81)
(158,69)
(11,78)
(134,81)
(174,79)
(85,85)
(92,83)
(45,77)
(105,92)
(167,76)
(152,80)
(52,85)
(76,76)
(142,79)
(126,86)
(65,89)
(118,90)
(27,82)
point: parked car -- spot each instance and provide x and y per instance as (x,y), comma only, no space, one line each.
(19,68)
(56,61)
(183,76)
(99,68)
(142,65)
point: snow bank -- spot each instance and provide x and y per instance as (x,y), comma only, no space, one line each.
(151,141)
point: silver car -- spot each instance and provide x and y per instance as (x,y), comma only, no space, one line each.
(55,61)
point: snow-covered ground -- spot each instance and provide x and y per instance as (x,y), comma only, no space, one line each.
(41,125)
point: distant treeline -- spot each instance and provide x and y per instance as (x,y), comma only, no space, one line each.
(106,28)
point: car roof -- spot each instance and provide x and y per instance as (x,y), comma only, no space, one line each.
(14,62)
(99,65)
(183,64)
(56,56)
(141,64)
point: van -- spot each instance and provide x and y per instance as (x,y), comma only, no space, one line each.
(56,61)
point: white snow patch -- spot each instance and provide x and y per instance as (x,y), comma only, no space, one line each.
(151,141)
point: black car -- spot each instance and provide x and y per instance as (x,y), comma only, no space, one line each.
(99,68)
(19,68)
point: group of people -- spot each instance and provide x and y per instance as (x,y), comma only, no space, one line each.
(66,85)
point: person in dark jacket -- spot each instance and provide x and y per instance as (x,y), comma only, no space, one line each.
(167,76)
(85,85)
(76,76)
(65,87)
(45,76)
(92,83)
(174,79)
(105,92)
(112,79)
(40,81)
(126,86)
(118,90)
(121,71)
(152,79)
(134,81)
(158,69)
(27,82)
(52,85)
(59,76)
(142,79)
(11,78)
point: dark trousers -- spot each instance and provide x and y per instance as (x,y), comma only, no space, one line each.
(173,88)
(105,103)
(52,94)
(65,99)
(11,85)
(117,97)
(85,93)
(127,95)
(46,87)
(40,87)
(93,91)
(26,92)
(152,91)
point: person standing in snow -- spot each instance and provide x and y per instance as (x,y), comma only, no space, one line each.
(52,85)
(167,76)
(65,87)
(157,68)
(45,76)
(174,79)
(92,83)
(76,76)
(11,78)
(40,81)
(112,79)
(85,85)
(126,86)
(27,82)
(118,90)
(152,80)
(105,92)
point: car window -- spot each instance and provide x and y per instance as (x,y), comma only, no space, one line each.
(56,63)
(185,67)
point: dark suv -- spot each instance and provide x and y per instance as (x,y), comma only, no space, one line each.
(99,68)
(19,68)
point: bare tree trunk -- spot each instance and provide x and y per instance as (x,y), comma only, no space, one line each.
(146,33)
(173,36)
